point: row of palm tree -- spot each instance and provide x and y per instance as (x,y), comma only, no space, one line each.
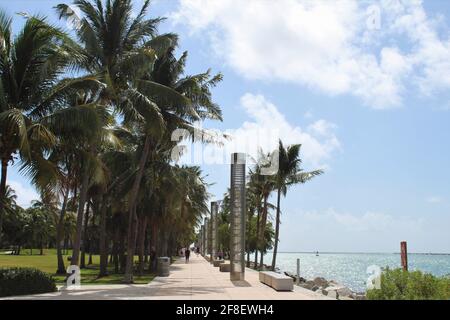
(89,117)
(34,227)
(260,188)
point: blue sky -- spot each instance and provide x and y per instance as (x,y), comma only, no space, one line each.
(364,86)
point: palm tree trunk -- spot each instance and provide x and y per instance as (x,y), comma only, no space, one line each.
(2,193)
(122,259)
(103,249)
(247,237)
(132,218)
(79,228)
(115,249)
(261,232)
(85,237)
(141,251)
(258,218)
(59,234)
(277,230)
(153,247)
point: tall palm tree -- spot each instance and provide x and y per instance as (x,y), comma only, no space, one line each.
(31,66)
(263,186)
(28,66)
(289,173)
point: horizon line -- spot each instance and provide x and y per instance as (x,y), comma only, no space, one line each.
(360,252)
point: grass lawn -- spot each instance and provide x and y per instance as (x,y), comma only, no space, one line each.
(48,263)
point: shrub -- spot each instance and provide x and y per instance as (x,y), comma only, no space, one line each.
(397,284)
(21,281)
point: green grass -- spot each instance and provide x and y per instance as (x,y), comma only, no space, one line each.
(48,263)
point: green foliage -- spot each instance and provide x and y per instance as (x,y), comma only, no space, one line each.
(397,284)
(21,281)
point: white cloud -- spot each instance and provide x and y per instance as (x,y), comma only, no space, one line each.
(434,199)
(326,45)
(265,127)
(25,193)
(268,125)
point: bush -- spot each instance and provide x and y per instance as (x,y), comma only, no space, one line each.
(21,281)
(413,285)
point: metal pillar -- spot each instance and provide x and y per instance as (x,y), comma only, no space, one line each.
(202,248)
(214,240)
(207,237)
(237,197)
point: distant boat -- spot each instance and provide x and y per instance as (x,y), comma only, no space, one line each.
(317,253)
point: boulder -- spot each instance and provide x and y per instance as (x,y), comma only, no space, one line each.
(315,288)
(344,292)
(308,284)
(321,282)
(360,297)
(333,294)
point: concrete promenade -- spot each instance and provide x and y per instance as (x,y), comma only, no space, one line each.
(196,280)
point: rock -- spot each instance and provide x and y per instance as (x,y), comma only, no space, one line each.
(321,282)
(333,294)
(315,288)
(360,297)
(308,284)
(344,292)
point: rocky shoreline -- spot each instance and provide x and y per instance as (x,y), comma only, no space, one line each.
(321,285)
(330,289)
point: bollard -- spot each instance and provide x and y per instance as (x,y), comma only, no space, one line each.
(404,255)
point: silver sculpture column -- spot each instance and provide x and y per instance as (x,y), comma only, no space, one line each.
(237,204)
(200,240)
(207,239)
(202,248)
(214,242)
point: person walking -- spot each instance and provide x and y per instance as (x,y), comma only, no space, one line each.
(187,253)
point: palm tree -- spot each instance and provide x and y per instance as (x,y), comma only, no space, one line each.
(143,81)
(289,174)
(31,64)
(9,200)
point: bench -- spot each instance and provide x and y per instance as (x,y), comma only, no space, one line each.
(278,281)
(224,267)
(216,263)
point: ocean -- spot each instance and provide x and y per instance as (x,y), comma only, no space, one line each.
(350,269)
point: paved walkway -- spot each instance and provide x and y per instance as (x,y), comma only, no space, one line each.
(196,280)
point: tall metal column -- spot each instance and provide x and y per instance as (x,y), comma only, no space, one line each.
(202,248)
(207,236)
(237,198)
(214,242)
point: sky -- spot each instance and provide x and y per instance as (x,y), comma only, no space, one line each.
(362,85)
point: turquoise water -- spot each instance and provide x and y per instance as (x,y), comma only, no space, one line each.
(350,268)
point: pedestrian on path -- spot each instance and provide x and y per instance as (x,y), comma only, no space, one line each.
(187,253)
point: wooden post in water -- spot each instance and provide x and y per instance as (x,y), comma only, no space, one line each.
(404,255)
(298,271)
